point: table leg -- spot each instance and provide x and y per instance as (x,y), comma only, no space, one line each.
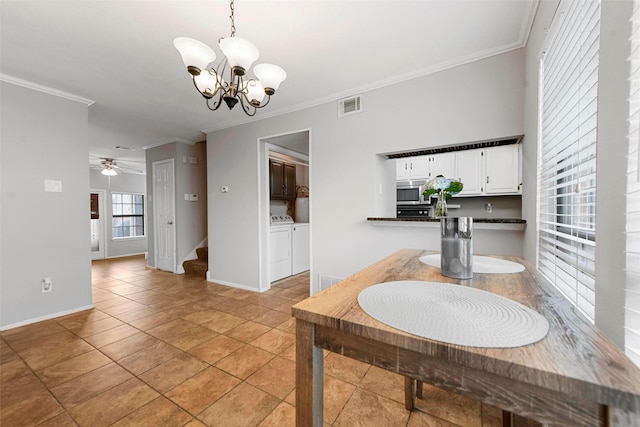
(409,393)
(309,371)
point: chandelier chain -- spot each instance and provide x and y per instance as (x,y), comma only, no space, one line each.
(233,23)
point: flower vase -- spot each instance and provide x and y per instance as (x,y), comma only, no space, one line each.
(441,206)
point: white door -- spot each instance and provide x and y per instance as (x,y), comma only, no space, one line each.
(98,234)
(164,214)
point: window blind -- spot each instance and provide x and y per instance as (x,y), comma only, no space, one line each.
(632,232)
(567,163)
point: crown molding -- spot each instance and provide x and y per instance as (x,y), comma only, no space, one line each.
(45,89)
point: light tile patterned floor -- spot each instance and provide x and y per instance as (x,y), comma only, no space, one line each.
(171,350)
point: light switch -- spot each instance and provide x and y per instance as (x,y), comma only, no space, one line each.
(187,196)
(52,186)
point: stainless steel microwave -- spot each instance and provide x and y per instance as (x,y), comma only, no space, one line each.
(410,193)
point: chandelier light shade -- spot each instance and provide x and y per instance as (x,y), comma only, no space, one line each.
(228,81)
(196,55)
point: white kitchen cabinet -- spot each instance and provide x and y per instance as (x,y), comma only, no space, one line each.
(426,167)
(470,165)
(300,244)
(280,252)
(410,168)
(442,164)
(502,170)
(493,170)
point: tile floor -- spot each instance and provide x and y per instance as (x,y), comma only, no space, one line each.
(170,350)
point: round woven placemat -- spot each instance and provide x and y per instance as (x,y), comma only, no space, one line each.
(453,314)
(481,264)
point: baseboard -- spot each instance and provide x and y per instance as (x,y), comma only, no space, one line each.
(47,317)
(233,285)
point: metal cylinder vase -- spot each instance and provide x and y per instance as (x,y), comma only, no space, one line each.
(456,255)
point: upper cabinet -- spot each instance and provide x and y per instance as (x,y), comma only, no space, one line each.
(482,171)
(412,168)
(470,167)
(490,171)
(426,167)
(502,166)
(442,164)
(282,180)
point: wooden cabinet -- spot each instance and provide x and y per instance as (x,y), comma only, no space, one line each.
(282,180)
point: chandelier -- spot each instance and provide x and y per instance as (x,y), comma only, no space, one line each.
(239,55)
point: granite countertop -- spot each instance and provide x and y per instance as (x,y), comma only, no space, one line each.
(514,224)
(475,220)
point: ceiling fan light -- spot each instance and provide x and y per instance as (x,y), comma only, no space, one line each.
(195,55)
(270,76)
(255,92)
(108,171)
(240,53)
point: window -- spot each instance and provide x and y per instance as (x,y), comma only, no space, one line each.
(632,256)
(127,215)
(567,162)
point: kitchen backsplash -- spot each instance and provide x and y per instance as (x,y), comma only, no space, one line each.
(499,206)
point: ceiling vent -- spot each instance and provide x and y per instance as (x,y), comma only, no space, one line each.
(350,106)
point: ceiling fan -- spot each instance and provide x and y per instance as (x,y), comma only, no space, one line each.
(110,167)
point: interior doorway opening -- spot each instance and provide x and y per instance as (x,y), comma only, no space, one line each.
(285,243)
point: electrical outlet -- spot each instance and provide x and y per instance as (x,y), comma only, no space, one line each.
(47,284)
(488,207)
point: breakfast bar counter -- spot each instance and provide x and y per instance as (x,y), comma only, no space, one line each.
(573,376)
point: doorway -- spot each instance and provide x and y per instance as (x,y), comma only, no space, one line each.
(295,148)
(98,223)
(164,214)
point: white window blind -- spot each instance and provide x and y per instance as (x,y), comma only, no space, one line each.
(567,163)
(632,258)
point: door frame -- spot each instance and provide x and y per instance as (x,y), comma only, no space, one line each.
(264,227)
(102,225)
(155,212)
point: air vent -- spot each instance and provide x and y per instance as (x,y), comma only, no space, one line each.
(350,106)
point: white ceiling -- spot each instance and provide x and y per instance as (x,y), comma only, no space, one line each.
(120,54)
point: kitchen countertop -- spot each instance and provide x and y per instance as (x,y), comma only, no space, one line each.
(478,223)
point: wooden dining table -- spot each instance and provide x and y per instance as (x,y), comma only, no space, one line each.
(573,376)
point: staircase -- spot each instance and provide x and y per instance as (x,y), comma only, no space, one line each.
(199,266)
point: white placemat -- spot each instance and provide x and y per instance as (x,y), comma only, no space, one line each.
(453,314)
(481,264)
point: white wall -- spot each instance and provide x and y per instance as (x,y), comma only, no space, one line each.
(190,217)
(477,101)
(44,234)
(127,183)
(611,149)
